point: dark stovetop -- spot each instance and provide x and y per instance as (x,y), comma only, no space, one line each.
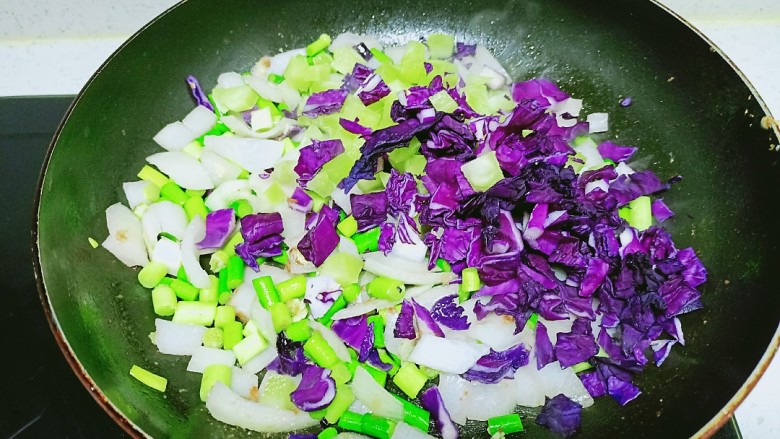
(40,396)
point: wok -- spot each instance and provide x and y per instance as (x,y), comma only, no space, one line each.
(693,115)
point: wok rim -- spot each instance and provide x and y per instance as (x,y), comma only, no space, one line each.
(706,431)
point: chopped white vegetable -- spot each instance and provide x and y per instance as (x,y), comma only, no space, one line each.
(445,355)
(183,169)
(254,155)
(244,383)
(598,122)
(205,356)
(125,236)
(174,136)
(200,120)
(177,338)
(190,253)
(135,192)
(378,400)
(168,253)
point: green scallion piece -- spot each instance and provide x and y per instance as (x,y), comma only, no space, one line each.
(211,374)
(210,294)
(172,192)
(276,79)
(222,282)
(409,379)
(224,314)
(320,351)
(469,283)
(641,213)
(181,273)
(443,265)
(164,300)
(386,289)
(242,208)
(195,192)
(337,306)
(379,329)
(351,292)
(280,316)
(150,379)
(367,241)
(195,206)
(266,291)
(392,360)
(185,290)
(293,288)
(415,416)
(235,272)
(213,338)
(351,421)
(232,333)
(347,226)
(340,404)
(230,247)
(380,56)
(218,261)
(427,371)
(340,373)
(299,331)
(328,433)
(157,178)
(152,274)
(93,243)
(376,426)
(581,367)
(531,323)
(318,46)
(249,348)
(152,193)
(195,313)
(506,424)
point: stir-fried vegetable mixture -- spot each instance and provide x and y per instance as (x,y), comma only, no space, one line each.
(391,241)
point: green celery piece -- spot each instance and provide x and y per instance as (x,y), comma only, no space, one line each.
(298,74)
(344,268)
(442,101)
(401,155)
(344,59)
(483,172)
(441,46)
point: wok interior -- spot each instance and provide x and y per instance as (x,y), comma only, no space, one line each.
(692,116)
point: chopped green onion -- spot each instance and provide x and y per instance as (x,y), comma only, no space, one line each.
(351,292)
(230,247)
(320,351)
(343,267)
(224,314)
(386,288)
(152,380)
(242,208)
(280,316)
(625,213)
(235,272)
(213,338)
(340,373)
(337,306)
(195,192)
(319,45)
(172,192)
(164,300)
(379,329)
(211,374)
(389,359)
(470,283)
(181,274)
(328,433)
(340,404)
(443,265)
(195,206)
(93,243)
(266,291)
(348,226)
(276,79)
(299,331)
(367,241)
(441,46)
(376,426)
(157,178)
(380,56)
(249,348)
(409,379)
(506,424)
(430,373)
(483,172)
(415,416)
(210,294)
(151,193)
(581,367)
(195,313)
(442,101)
(218,261)
(185,290)
(379,376)
(351,421)
(282,258)
(152,274)
(293,288)
(232,333)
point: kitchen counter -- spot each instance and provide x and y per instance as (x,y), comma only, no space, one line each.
(53,48)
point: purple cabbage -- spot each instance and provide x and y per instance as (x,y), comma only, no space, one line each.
(359,75)
(313,156)
(660,210)
(300,201)
(495,366)
(197,93)
(262,237)
(447,312)
(560,415)
(219,226)
(325,102)
(576,346)
(615,152)
(367,344)
(376,361)
(463,50)
(321,239)
(290,359)
(352,331)
(593,384)
(430,400)
(354,127)
(542,91)
(315,391)
(372,90)
(369,210)
(545,352)
(404,325)
(425,317)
